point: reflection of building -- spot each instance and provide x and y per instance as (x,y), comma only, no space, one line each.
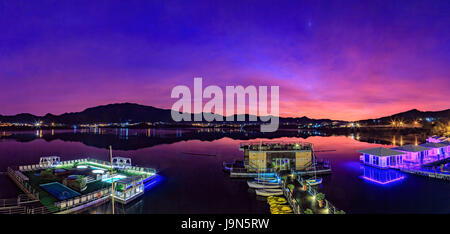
(277,155)
(381,176)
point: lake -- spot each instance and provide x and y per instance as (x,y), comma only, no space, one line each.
(196,183)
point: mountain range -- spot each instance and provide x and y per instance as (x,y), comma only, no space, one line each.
(135,113)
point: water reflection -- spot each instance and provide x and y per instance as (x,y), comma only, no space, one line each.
(381,176)
(133,139)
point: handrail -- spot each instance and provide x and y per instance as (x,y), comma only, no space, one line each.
(313,192)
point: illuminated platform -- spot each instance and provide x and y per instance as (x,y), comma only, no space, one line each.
(74,185)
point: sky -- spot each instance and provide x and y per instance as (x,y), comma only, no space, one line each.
(345,60)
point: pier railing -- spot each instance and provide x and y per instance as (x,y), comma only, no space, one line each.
(313,192)
(83,199)
(35,167)
(23,184)
(296,207)
(279,145)
(13,210)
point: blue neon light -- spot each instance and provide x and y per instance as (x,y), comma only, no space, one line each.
(152,183)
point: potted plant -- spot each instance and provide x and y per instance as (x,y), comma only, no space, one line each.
(320,197)
(291,188)
(308,211)
(304,188)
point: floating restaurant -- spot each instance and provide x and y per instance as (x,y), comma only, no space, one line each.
(280,155)
(380,157)
(424,159)
(271,157)
(436,148)
(55,186)
(414,153)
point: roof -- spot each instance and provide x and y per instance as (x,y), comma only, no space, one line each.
(433,145)
(380,151)
(411,148)
(128,180)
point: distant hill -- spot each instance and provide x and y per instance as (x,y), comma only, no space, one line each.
(412,115)
(121,113)
(112,113)
(135,113)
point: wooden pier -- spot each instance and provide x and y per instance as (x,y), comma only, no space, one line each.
(421,171)
(433,175)
(328,208)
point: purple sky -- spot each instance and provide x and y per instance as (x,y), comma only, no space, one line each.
(343,60)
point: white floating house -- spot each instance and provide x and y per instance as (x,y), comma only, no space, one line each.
(383,158)
(437,149)
(414,153)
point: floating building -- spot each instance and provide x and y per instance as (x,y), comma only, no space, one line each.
(414,153)
(264,156)
(382,157)
(74,185)
(435,149)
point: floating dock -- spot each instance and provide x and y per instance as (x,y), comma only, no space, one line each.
(55,186)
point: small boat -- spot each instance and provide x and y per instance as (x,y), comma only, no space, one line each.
(269,192)
(314,181)
(267,179)
(256,185)
(228,166)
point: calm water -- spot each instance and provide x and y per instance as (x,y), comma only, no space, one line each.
(197,184)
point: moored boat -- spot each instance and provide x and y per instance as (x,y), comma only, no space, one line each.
(228,166)
(254,184)
(267,179)
(314,181)
(269,192)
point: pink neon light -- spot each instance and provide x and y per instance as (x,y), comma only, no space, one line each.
(379,182)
